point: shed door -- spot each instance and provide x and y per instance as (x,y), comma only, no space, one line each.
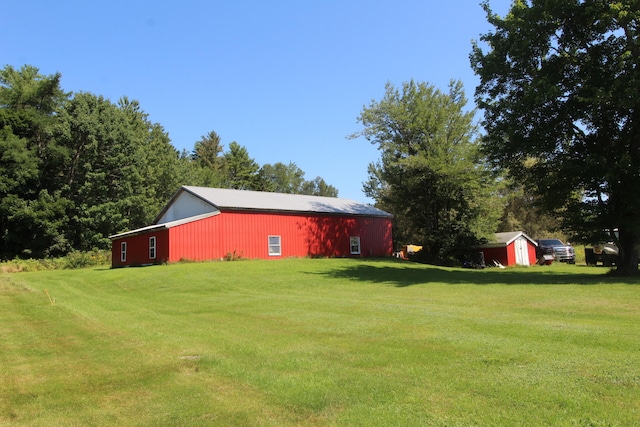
(522,252)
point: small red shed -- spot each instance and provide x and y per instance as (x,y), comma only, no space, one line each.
(201,223)
(512,248)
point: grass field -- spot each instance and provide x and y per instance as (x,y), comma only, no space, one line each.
(319,342)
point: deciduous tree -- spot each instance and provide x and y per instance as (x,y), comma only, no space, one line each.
(281,178)
(525,212)
(120,169)
(559,84)
(289,178)
(430,174)
(318,187)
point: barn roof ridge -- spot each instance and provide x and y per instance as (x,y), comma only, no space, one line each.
(225,198)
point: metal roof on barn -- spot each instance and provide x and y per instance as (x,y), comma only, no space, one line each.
(229,199)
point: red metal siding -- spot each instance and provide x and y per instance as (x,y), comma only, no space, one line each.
(138,249)
(506,255)
(511,254)
(195,241)
(162,247)
(246,234)
(498,254)
(533,259)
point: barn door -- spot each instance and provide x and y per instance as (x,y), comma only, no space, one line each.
(522,251)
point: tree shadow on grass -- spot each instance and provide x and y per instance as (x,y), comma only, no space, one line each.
(402,274)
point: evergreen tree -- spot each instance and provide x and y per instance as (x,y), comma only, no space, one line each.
(241,170)
(208,160)
(207,150)
(31,222)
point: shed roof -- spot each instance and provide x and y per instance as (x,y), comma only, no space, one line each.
(505,239)
(229,199)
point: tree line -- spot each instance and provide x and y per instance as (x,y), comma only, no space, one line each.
(76,168)
(558,149)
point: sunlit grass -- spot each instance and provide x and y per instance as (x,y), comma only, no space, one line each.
(320,342)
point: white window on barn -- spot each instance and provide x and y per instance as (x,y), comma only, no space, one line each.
(275,248)
(123,252)
(152,247)
(354,243)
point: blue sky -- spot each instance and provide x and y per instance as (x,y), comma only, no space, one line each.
(285,79)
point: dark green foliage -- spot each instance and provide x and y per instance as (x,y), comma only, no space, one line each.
(119,168)
(289,178)
(19,167)
(206,152)
(241,170)
(281,178)
(318,187)
(558,85)
(430,174)
(32,220)
(525,212)
(75,169)
(36,227)
(207,161)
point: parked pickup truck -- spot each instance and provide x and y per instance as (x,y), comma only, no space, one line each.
(560,251)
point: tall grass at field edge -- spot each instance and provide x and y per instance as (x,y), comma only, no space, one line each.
(73,260)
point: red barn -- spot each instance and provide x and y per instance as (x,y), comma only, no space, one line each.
(202,223)
(513,248)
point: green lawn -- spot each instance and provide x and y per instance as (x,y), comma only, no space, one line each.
(319,342)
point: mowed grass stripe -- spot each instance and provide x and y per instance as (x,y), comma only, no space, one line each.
(320,341)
